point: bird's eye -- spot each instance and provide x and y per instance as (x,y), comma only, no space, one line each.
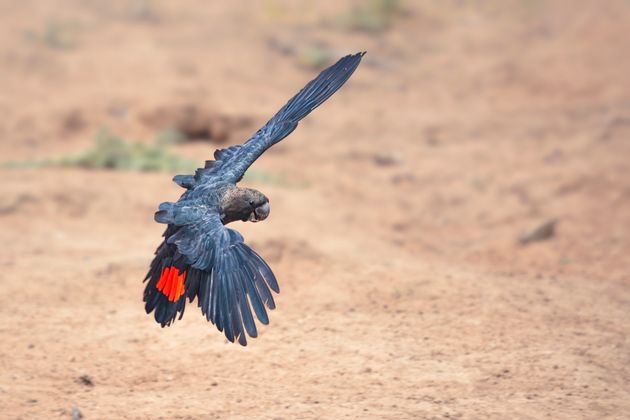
(251,203)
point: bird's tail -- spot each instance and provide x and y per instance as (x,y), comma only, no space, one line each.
(165,292)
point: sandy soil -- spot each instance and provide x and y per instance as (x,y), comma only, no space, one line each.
(405,292)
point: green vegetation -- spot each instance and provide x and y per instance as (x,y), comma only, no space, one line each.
(373,15)
(170,136)
(110,151)
(57,35)
(316,58)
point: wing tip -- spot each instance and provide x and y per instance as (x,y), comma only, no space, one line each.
(355,57)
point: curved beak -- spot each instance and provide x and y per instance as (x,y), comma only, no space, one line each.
(262,211)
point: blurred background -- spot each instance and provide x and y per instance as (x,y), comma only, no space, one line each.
(450,231)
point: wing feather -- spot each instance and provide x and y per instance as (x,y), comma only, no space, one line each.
(231,163)
(315,93)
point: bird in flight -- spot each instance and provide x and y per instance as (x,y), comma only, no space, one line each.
(201,258)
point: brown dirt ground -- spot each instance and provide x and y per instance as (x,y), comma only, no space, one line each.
(404,291)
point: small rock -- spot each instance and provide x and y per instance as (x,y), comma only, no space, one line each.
(86,380)
(76,413)
(543,232)
(387,159)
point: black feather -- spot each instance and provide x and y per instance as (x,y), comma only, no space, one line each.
(184,181)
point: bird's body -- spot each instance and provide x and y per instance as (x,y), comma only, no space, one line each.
(201,258)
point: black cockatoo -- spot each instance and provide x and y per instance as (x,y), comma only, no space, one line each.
(201,258)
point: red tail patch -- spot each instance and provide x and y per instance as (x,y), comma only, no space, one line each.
(171,283)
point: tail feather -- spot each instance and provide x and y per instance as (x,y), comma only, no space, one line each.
(165,292)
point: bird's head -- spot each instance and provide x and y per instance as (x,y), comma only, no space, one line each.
(244,204)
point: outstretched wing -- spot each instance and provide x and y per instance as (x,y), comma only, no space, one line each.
(224,272)
(231,163)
